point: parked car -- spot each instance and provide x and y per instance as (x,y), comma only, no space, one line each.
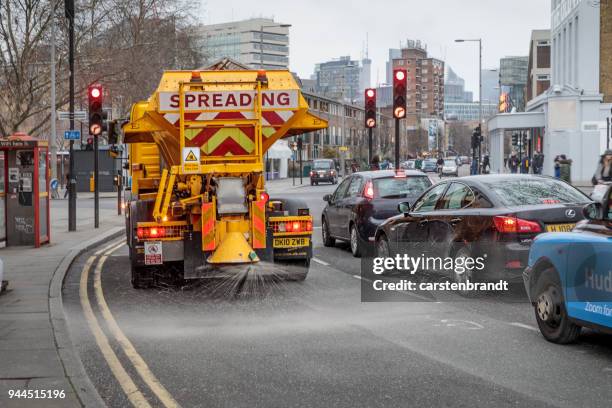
(569,278)
(496,216)
(323,170)
(450,168)
(429,165)
(464,159)
(363,201)
(408,165)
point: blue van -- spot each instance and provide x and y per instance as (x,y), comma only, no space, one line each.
(569,276)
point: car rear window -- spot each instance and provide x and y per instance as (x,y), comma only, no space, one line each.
(400,187)
(323,165)
(450,163)
(535,191)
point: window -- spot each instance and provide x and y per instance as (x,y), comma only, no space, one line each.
(456,197)
(429,200)
(341,190)
(355,187)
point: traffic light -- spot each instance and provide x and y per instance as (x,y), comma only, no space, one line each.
(89,145)
(370,108)
(400,80)
(514,139)
(96,114)
(476,137)
(113,132)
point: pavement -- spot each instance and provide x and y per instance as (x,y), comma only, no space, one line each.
(36,351)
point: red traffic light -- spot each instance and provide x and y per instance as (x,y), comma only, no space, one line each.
(95,92)
(399,93)
(370,107)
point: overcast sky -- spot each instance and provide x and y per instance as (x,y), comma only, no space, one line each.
(326,29)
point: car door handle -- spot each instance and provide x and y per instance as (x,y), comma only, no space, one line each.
(455,221)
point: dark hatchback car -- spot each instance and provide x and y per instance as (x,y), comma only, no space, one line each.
(496,215)
(364,200)
(323,170)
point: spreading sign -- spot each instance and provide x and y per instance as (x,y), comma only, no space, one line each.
(191,159)
(228,100)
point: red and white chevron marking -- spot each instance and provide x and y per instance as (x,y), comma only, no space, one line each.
(269,118)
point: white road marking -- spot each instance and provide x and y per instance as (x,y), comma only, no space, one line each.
(125,381)
(319,261)
(523,326)
(137,361)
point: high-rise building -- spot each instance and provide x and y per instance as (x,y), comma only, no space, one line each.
(257,42)
(490,85)
(393,53)
(538,80)
(425,80)
(340,79)
(454,88)
(513,80)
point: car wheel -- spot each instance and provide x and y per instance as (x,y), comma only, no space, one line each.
(550,311)
(465,275)
(328,240)
(354,241)
(382,247)
(311,183)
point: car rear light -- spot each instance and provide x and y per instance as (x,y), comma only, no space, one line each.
(505,224)
(368,191)
(513,265)
(312,173)
(150,232)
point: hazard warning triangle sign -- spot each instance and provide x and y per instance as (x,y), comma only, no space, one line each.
(191,156)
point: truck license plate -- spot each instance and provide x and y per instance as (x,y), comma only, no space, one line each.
(291,242)
(153,253)
(560,227)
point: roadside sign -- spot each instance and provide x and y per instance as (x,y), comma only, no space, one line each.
(343,148)
(72,135)
(153,253)
(78,115)
(191,159)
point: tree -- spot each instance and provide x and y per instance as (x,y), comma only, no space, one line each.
(124,44)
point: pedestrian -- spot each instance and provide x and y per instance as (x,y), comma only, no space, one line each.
(525,165)
(603,172)
(513,163)
(440,164)
(557,167)
(375,165)
(67,185)
(565,169)
(486,165)
(538,162)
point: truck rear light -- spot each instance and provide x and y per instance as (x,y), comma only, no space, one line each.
(308,226)
(505,225)
(265,197)
(368,191)
(150,232)
(293,226)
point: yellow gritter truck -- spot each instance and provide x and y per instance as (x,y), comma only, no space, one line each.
(198,203)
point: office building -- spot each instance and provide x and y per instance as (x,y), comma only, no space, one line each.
(513,80)
(340,79)
(257,42)
(490,85)
(538,71)
(454,88)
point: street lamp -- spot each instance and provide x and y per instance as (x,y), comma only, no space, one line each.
(479,41)
(261,28)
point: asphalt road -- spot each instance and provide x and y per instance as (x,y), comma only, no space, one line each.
(315,344)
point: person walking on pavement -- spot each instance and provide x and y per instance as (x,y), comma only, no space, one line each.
(565,169)
(375,165)
(486,165)
(67,186)
(603,172)
(513,163)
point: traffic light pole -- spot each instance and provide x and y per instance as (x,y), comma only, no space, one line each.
(96,185)
(369,145)
(71,181)
(397,144)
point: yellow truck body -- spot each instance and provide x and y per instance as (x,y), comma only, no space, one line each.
(196,160)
